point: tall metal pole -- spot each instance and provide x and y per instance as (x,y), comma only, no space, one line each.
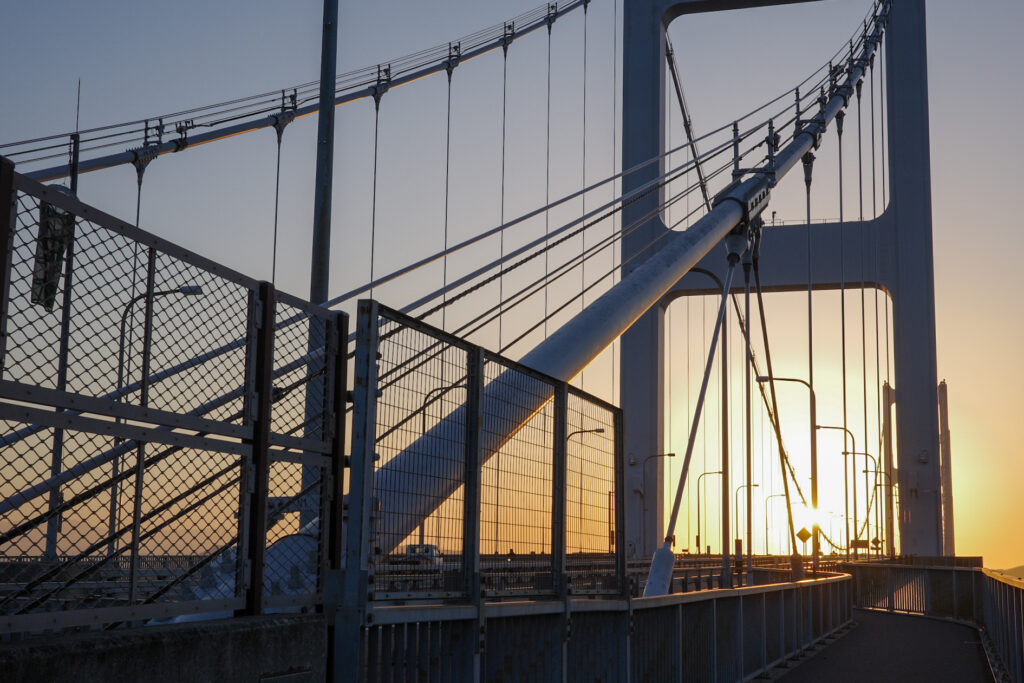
(319,273)
(887,401)
(946,472)
(726,564)
(319,269)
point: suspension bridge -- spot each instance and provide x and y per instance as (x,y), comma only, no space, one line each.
(595,413)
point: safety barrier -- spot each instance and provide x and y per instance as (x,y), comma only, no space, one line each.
(717,635)
(169,442)
(957,590)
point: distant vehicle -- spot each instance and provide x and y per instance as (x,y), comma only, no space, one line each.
(422,555)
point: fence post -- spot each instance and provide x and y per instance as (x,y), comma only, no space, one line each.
(259,472)
(8,219)
(338,403)
(620,504)
(332,577)
(471,495)
(358,533)
(558,488)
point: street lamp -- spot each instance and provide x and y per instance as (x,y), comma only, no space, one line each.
(878,503)
(774,495)
(422,410)
(867,490)
(643,490)
(598,430)
(816,545)
(846,486)
(699,547)
(736,498)
(183,290)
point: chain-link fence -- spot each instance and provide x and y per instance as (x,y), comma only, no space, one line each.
(167,432)
(478,476)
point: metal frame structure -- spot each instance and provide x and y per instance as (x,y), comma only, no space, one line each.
(211,426)
(401,366)
(902,232)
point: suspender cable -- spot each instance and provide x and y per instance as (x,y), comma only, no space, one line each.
(882,81)
(795,561)
(509,31)
(878,254)
(863,306)
(615,160)
(687,123)
(808,162)
(748,361)
(373,200)
(277,196)
(842,324)
(447,166)
(583,197)
(547,168)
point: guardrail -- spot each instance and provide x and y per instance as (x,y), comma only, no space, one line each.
(169,442)
(716,635)
(992,601)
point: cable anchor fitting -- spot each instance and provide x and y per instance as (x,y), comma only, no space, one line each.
(454,56)
(382,84)
(508,36)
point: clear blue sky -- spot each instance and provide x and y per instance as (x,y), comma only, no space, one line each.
(138,59)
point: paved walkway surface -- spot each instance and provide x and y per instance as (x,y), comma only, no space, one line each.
(896,647)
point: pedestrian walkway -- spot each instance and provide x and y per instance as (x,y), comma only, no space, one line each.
(897,647)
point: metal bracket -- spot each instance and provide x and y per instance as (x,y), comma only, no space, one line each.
(750,194)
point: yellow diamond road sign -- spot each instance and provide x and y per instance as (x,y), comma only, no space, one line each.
(803,535)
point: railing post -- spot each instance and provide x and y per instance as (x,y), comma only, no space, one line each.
(259,472)
(331,579)
(8,218)
(358,533)
(620,504)
(338,405)
(558,486)
(471,496)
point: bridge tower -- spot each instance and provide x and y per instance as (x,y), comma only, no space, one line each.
(902,235)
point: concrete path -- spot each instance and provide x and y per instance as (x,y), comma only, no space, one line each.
(896,647)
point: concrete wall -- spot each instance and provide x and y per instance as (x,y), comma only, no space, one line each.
(281,648)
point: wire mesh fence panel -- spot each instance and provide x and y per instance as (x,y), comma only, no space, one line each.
(420,468)
(128,401)
(297,515)
(590,496)
(516,525)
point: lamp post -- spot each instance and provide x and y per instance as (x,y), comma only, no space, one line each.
(597,430)
(422,410)
(736,497)
(643,490)
(774,495)
(184,290)
(698,506)
(846,484)
(867,490)
(878,505)
(816,545)
(888,483)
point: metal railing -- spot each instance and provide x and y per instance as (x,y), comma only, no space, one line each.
(958,590)
(168,438)
(478,475)
(718,635)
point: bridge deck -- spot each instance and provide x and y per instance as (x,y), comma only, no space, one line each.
(896,647)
